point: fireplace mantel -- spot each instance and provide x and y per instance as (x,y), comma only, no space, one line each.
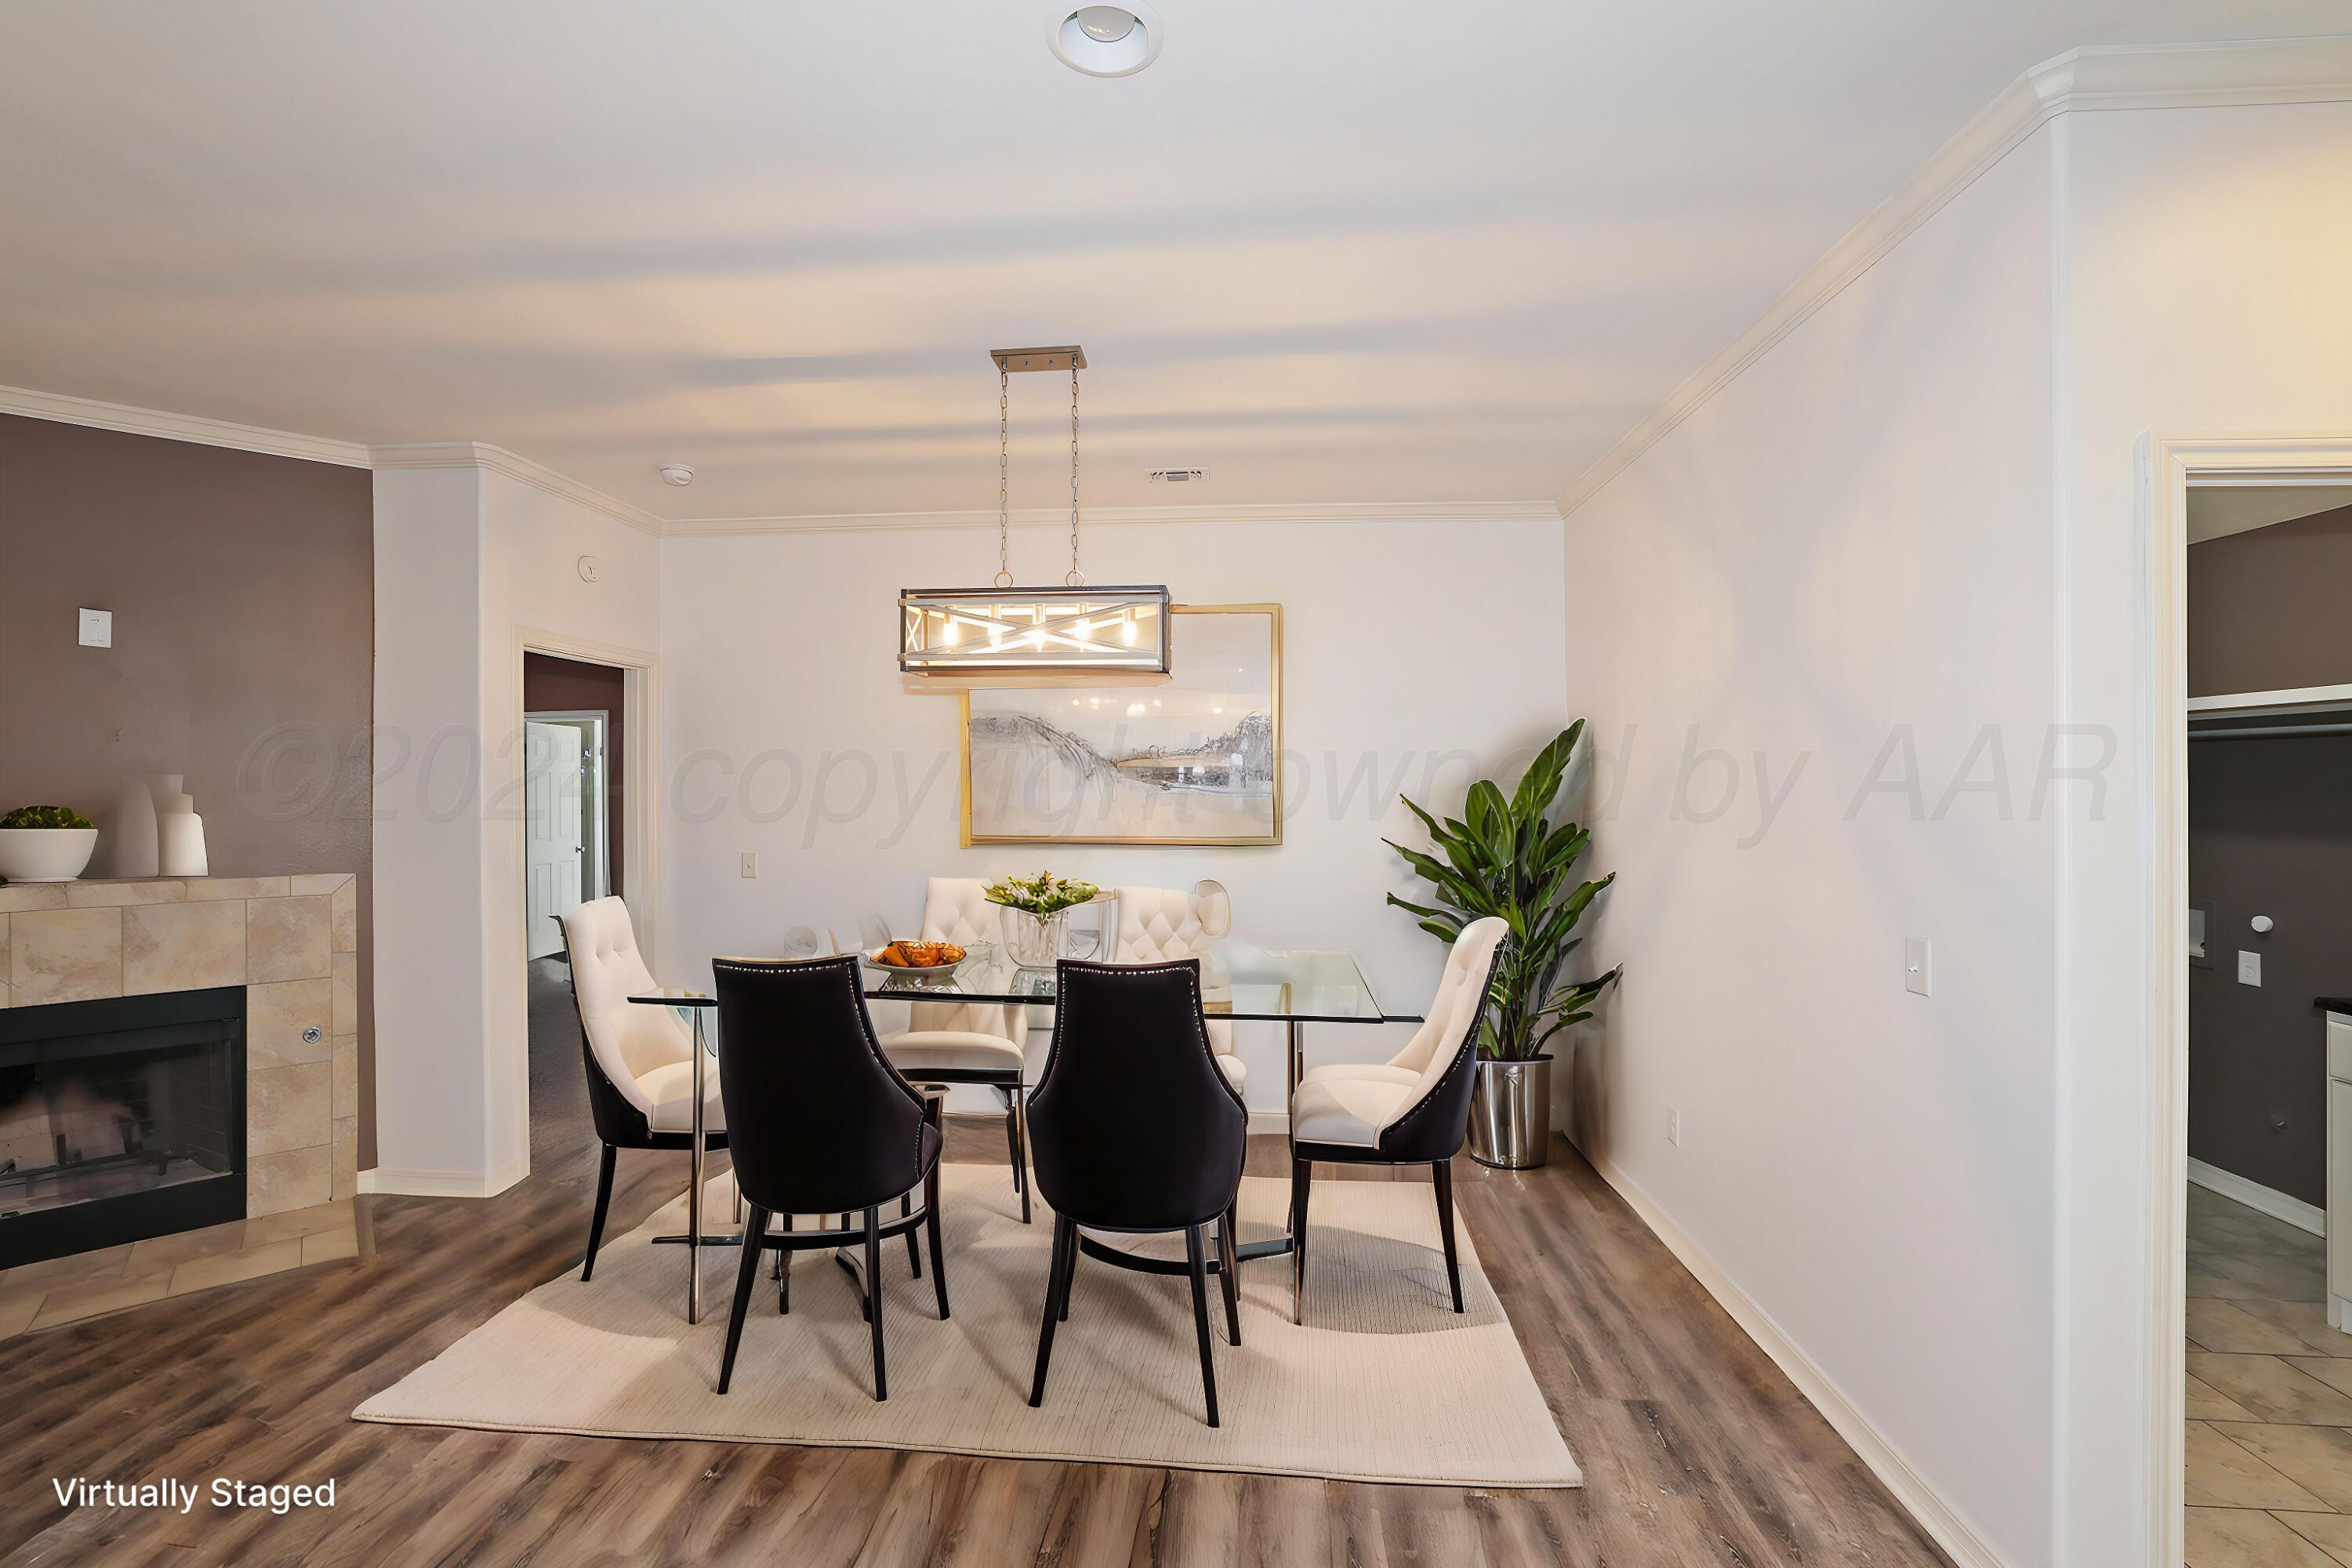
(292,941)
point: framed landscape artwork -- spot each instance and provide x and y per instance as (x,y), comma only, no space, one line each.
(1190,761)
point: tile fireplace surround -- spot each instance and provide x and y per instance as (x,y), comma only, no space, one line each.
(291,941)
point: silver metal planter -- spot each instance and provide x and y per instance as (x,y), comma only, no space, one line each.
(1510,1114)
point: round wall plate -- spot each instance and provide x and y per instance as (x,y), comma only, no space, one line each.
(589,570)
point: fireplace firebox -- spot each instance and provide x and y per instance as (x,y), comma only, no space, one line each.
(119,1120)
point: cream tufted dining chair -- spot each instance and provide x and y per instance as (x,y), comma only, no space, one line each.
(640,1060)
(1411,1109)
(968,1042)
(1160,925)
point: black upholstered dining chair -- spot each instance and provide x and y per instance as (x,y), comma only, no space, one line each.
(1135,1130)
(1412,1109)
(820,1122)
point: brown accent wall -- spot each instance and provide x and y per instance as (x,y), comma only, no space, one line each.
(2270,833)
(2266,607)
(243,592)
(552,685)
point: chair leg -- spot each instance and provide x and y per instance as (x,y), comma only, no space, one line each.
(1302,1181)
(914,1253)
(1444,1171)
(1069,1270)
(874,1298)
(1196,1255)
(1229,1272)
(1016,1128)
(603,1202)
(784,1274)
(931,1231)
(746,1275)
(1065,1235)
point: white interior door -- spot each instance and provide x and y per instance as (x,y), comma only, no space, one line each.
(554,842)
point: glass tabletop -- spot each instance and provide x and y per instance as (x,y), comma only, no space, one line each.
(1307,985)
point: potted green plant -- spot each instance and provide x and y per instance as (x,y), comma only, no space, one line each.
(1034,909)
(1505,856)
(45,844)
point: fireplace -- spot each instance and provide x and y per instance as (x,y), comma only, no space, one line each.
(119,1118)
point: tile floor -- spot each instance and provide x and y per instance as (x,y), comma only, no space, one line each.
(64,1289)
(2270,1396)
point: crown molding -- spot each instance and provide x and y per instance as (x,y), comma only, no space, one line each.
(1032,517)
(2164,76)
(482,455)
(497,460)
(63,410)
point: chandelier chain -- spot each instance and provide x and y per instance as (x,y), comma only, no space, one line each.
(1004,476)
(1076,578)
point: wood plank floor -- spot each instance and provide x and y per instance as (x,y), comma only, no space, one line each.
(1696,1449)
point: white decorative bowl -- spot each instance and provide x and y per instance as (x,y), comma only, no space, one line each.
(46,854)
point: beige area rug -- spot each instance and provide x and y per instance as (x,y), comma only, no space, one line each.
(1383,1384)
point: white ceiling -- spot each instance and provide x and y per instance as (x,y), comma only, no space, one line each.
(1379,251)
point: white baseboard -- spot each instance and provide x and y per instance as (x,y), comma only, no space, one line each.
(1951,1529)
(2255,1196)
(441,1183)
(1276,1121)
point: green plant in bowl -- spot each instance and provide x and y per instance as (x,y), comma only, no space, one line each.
(46,817)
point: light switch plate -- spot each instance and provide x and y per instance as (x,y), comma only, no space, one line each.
(2250,968)
(751,863)
(1918,965)
(97,629)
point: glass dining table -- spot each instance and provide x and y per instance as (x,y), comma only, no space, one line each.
(1294,987)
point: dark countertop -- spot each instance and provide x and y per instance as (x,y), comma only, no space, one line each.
(2333,1004)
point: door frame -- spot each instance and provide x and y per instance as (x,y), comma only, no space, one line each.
(595,850)
(640,825)
(2169,466)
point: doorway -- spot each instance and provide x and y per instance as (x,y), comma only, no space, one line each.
(2269,1371)
(577,757)
(577,804)
(2252,684)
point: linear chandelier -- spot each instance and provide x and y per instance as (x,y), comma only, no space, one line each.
(949,631)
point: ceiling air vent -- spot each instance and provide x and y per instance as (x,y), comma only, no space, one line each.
(1178,476)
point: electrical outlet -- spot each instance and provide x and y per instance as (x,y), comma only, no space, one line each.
(1674,1127)
(751,863)
(96,628)
(2250,968)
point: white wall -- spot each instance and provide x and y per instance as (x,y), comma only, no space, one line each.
(531,542)
(2208,292)
(1409,649)
(1853,537)
(428,913)
(464,557)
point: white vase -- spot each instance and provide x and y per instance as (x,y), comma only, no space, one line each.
(178,831)
(180,844)
(132,848)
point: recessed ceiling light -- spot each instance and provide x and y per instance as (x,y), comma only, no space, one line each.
(1105,23)
(677,474)
(1107,41)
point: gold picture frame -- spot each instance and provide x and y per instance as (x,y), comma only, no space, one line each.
(1273,615)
